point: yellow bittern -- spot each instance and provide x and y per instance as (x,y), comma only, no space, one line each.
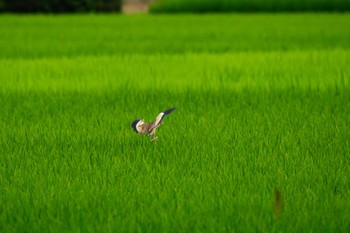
(149,129)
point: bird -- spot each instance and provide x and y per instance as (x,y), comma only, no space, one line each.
(149,129)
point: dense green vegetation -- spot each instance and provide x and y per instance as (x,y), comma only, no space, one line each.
(249,5)
(71,36)
(261,104)
(59,6)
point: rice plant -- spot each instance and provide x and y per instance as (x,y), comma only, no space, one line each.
(259,142)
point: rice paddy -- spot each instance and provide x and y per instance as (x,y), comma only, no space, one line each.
(259,142)
(202,6)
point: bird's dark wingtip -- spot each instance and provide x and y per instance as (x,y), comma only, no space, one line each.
(169,111)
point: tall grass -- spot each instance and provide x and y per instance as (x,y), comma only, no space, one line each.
(96,35)
(246,122)
(260,71)
(172,6)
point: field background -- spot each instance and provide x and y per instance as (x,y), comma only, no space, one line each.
(263,101)
(200,6)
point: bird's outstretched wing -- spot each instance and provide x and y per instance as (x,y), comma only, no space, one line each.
(159,119)
(162,115)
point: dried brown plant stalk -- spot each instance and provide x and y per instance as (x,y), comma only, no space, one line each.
(278,203)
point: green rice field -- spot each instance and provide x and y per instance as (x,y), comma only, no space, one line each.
(204,6)
(263,104)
